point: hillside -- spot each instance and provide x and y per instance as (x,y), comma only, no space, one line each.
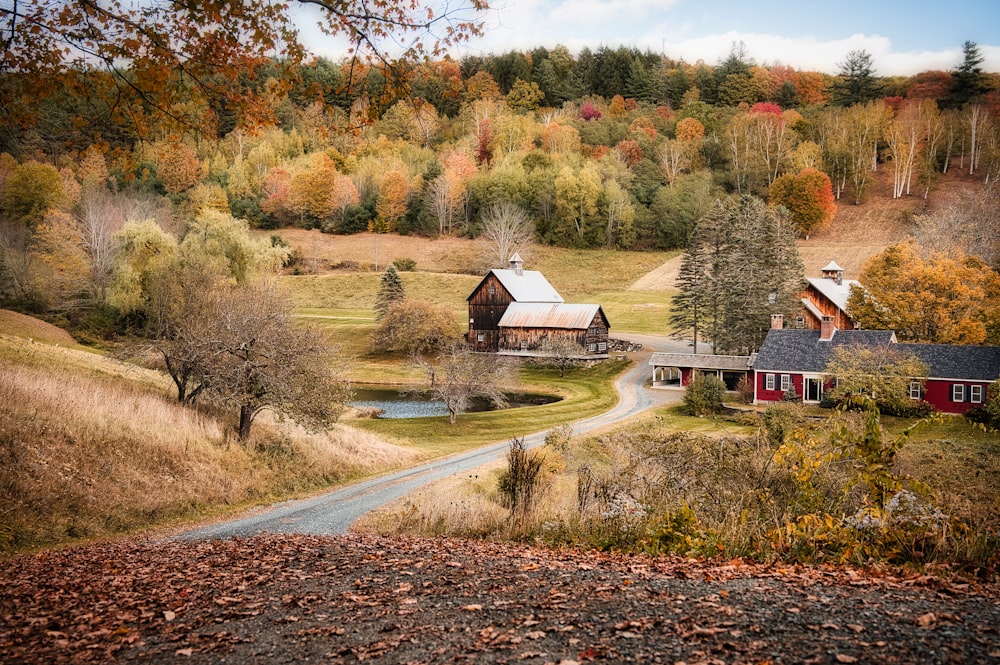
(91,446)
(856,233)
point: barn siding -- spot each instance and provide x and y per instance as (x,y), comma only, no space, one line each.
(486,308)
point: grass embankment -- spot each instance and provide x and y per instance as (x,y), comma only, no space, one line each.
(783,489)
(91,447)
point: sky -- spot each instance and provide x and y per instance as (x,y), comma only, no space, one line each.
(904,37)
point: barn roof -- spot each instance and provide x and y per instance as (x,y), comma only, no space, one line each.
(700,361)
(835,293)
(528,286)
(790,350)
(951,361)
(549,315)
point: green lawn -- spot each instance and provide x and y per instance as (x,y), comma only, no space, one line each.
(585,391)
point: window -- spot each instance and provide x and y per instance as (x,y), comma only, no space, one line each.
(976,394)
(958,393)
(916,390)
(769,382)
(602,347)
(480,337)
(493,290)
(524,345)
(591,347)
(786,382)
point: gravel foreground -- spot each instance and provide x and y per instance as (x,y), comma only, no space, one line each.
(344,599)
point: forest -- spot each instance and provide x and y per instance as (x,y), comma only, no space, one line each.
(611,148)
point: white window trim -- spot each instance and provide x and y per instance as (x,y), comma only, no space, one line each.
(786,382)
(916,390)
(958,392)
(769,382)
(976,394)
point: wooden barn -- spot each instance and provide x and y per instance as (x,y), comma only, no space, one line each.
(517,312)
(542,329)
(827,296)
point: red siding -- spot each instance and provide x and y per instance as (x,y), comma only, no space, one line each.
(776,395)
(938,393)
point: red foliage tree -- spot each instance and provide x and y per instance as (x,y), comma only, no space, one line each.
(589,112)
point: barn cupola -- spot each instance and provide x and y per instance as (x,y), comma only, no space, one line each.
(517,264)
(832,271)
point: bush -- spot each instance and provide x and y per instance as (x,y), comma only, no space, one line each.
(704,395)
(405,264)
(520,481)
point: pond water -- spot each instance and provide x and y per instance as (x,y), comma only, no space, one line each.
(395,404)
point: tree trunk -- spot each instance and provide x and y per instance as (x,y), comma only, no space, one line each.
(246,420)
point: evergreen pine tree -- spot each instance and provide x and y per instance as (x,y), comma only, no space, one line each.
(390,290)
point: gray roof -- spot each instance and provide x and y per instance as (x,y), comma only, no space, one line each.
(549,315)
(529,286)
(792,350)
(700,361)
(835,293)
(832,267)
(952,361)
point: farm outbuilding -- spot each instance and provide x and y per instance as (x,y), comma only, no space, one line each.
(515,311)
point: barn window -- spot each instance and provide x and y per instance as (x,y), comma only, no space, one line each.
(601,346)
(493,290)
(480,337)
(958,393)
(524,345)
(976,394)
(916,390)
(769,382)
(591,347)
(786,382)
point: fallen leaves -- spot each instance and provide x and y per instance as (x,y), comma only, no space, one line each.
(416,600)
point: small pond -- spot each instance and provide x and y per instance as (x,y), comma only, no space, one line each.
(395,404)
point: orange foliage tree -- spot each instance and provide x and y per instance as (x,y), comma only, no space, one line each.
(808,197)
(941,299)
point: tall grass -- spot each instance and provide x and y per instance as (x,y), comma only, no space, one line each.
(89,455)
(794,494)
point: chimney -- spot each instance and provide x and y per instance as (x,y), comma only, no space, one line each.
(777,321)
(517,264)
(826,329)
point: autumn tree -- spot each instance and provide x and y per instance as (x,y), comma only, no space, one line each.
(32,189)
(60,249)
(391,290)
(883,374)
(163,62)
(457,376)
(393,194)
(808,198)
(942,299)
(414,326)
(263,359)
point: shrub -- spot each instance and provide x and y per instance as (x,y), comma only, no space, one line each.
(520,481)
(704,395)
(405,264)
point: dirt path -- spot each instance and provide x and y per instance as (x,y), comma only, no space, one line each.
(295,599)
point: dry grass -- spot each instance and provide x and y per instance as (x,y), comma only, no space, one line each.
(30,328)
(88,452)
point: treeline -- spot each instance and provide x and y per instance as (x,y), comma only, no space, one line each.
(610,148)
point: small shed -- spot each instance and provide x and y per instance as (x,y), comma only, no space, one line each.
(531,329)
(678,369)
